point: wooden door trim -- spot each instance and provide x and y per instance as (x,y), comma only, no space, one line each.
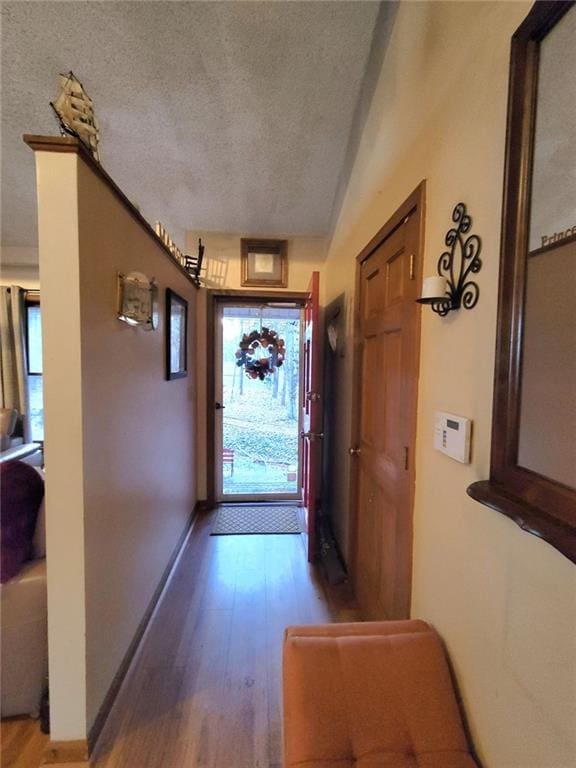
(214,297)
(311,415)
(416,202)
(231,295)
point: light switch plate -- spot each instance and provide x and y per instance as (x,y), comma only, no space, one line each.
(452,435)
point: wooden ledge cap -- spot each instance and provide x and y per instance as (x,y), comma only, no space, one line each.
(54,143)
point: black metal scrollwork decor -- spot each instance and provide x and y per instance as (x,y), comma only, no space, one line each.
(460,290)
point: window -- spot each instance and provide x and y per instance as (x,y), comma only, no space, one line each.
(34,359)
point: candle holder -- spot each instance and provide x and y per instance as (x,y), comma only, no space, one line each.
(459,290)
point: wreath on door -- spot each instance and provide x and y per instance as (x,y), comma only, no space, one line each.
(260,353)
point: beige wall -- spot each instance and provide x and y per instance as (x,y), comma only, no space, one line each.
(222,271)
(222,258)
(19,266)
(119,440)
(139,433)
(504,601)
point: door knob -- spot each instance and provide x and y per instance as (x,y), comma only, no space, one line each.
(219,406)
(355,451)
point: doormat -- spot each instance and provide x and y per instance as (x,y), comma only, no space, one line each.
(247,519)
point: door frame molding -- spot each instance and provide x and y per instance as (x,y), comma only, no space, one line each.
(416,201)
(214,298)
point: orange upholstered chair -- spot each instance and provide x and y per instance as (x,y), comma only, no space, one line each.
(370,695)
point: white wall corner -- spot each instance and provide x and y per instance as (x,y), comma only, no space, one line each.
(57,189)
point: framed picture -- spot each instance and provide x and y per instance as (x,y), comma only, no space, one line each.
(264,263)
(138,300)
(176,336)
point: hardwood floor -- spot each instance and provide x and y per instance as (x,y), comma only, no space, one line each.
(205,690)
(22,743)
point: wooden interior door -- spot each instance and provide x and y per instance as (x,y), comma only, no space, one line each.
(389,333)
(311,415)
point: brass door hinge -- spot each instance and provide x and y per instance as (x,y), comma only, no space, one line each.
(312,436)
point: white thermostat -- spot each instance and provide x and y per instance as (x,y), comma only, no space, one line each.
(452,436)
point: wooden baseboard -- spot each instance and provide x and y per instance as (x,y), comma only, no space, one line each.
(71,754)
(110,697)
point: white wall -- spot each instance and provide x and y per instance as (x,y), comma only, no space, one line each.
(62,372)
(119,437)
(504,601)
(19,266)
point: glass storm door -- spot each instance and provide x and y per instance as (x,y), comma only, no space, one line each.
(257,417)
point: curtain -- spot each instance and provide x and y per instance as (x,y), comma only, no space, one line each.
(13,366)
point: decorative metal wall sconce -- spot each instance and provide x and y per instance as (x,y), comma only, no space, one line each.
(452,289)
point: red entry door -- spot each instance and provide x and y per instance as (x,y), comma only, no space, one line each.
(311,415)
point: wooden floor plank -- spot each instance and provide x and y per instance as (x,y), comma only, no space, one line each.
(21,743)
(282,609)
(205,688)
(226,609)
(216,643)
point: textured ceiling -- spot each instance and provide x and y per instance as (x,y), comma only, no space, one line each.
(227,116)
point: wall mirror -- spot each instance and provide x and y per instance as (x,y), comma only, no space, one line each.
(533,457)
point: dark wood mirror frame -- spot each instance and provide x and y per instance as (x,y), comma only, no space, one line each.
(536,503)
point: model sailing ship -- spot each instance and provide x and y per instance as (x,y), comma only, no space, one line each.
(74,111)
